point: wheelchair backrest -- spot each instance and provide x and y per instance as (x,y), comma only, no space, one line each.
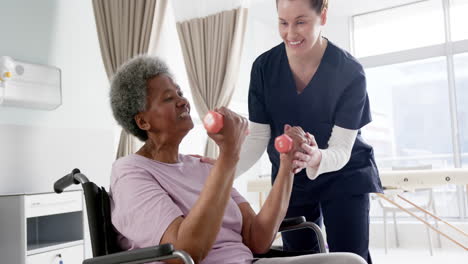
(102,233)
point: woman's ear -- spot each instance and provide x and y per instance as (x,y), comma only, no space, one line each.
(324,16)
(141,122)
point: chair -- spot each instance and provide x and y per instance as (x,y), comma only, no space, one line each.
(427,204)
(104,238)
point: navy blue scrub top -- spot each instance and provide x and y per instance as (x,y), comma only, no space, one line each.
(336,95)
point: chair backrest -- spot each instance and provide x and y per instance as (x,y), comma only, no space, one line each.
(102,233)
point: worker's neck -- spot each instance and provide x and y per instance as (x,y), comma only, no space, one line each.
(313,57)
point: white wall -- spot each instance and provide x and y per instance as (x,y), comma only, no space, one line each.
(37,147)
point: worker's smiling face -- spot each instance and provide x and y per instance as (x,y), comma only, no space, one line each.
(299,24)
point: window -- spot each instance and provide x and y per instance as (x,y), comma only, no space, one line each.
(416,95)
(403,97)
(459,19)
(406,27)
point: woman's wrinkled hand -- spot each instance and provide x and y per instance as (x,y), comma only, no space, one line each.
(299,137)
(304,153)
(230,138)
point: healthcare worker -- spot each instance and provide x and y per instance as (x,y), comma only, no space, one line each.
(308,81)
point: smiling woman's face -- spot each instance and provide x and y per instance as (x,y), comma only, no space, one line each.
(167,112)
(299,25)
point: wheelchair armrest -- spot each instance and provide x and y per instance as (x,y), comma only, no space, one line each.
(290,226)
(143,255)
(287,222)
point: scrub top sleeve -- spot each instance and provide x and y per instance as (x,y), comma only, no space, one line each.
(353,110)
(257,110)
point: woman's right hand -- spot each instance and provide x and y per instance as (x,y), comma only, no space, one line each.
(233,133)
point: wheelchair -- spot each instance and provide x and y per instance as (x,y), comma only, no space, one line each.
(104,237)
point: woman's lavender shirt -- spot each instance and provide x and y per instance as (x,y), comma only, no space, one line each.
(147,196)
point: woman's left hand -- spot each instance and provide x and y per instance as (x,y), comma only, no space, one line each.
(310,157)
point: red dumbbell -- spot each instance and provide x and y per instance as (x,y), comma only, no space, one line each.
(283,143)
(213,122)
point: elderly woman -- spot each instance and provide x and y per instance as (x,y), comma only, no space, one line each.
(161,196)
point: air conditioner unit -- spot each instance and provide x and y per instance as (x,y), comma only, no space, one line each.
(29,85)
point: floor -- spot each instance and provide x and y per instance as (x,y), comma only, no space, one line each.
(415,256)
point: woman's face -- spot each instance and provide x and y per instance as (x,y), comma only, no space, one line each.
(299,25)
(168,111)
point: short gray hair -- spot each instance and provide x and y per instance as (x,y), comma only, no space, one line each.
(128,90)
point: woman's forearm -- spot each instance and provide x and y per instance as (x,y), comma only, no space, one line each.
(197,232)
(267,222)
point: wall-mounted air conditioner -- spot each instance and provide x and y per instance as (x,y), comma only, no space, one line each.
(29,85)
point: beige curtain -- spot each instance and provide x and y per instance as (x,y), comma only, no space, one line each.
(212,48)
(125,28)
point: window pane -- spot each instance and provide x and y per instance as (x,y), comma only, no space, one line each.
(459,19)
(410,108)
(461,82)
(411,122)
(401,28)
